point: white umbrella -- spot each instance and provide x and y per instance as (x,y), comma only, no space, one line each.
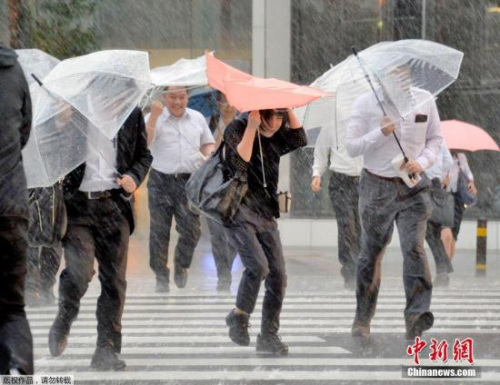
(433,67)
(82,101)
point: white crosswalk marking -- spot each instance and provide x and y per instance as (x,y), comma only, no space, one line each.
(182,339)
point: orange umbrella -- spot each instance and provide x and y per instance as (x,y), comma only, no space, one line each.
(460,135)
(247,92)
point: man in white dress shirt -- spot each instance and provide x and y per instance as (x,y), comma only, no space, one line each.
(180,140)
(384,198)
(343,189)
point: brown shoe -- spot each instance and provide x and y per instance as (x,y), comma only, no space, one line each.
(417,324)
(58,336)
(361,329)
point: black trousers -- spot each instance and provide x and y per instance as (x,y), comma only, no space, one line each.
(258,242)
(345,200)
(43,264)
(459,213)
(100,231)
(381,204)
(16,344)
(223,251)
(167,199)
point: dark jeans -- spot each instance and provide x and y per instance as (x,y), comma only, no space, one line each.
(167,199)
(345,199)
(223,251)
(43,264)
(101,231)
(258,242)
(381,203)
(16,344)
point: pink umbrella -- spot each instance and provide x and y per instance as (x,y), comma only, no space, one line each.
(460,135)
(247,92)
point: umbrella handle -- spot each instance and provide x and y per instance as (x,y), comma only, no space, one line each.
(37,80)
(367,77)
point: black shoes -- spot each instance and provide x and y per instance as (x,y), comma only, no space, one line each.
(238,328)
(106,360)
(361,330)
(417,324)
(223,286)
(442,280)
(271,343)
(47,298)
(180,276)
(350,284)
(58,336)
(162,286)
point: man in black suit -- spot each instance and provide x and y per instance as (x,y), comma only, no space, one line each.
(100,221)
(16,346)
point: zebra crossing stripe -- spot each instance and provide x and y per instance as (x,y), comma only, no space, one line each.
(203,350)
(60,362)
(130,326)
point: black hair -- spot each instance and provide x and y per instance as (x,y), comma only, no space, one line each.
(267,114)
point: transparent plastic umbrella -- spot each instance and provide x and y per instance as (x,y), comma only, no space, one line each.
(190,73)
(432,68)
(38,63)
(82,101)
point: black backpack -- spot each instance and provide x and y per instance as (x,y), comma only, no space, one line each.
(48,220)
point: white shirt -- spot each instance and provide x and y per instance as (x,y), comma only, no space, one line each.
(330,143)
(459,162)
(100,167)
(420,141)
(177,142)
(442,165)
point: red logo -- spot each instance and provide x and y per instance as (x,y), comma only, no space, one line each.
(462,350)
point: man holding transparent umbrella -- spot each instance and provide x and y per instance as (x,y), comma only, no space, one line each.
(100,221)
(386,199)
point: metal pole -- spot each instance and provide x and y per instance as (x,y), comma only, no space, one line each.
(424,19)
(482,233)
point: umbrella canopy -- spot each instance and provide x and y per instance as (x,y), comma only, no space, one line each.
(464,136)
(247,92)
(184,72)
(204,100)
(83,101)
(431,67)
(38,63)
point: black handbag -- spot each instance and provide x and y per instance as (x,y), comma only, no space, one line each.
(443,207)
(47,216)
(211,192)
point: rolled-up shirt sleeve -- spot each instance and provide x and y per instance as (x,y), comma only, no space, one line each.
(359,138)
(433,139)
